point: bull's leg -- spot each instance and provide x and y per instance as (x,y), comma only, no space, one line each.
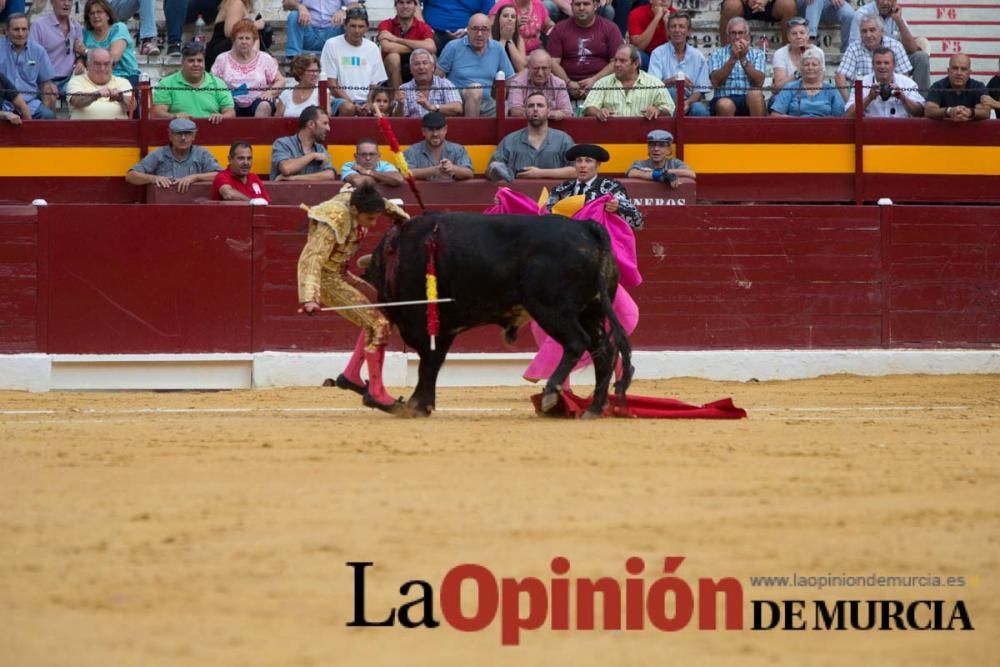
(602,353)
(421,402)
(564,327)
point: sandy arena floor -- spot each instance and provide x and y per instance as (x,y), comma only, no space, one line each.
(213,528)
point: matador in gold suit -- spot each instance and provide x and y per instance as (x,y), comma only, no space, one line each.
(336,228)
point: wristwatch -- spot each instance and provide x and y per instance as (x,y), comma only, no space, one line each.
(437,107)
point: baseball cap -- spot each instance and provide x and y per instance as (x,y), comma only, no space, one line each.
(433,120)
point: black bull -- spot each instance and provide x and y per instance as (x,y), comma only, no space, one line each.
(505,270)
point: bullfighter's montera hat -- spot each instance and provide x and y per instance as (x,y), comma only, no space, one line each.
(587,150)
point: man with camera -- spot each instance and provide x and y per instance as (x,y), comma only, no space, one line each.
(888,94)
(660,166)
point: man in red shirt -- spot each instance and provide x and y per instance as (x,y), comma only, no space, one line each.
(583,47)
(647,26)
(398,36)
(236,182)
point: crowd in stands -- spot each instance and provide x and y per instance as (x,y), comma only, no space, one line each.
(599,58)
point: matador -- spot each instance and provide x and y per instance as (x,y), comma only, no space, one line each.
(336,228)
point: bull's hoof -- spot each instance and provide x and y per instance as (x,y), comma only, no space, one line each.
(397,407)
(343,383)
(549,401)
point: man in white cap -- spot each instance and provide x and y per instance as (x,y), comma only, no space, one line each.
(586,159)
(660,166)
(178,164)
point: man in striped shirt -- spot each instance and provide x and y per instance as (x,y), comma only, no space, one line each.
(629,91)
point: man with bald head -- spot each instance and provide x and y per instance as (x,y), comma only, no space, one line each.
(957,97)
(472,62)
(538,76)
(97,94)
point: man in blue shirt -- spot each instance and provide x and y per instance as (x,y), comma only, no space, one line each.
(27,66)
(472,62)
(449,17)
(677,56)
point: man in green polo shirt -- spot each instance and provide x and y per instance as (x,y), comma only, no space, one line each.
(192,92)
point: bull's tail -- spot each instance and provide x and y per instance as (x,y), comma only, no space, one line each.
(620,345)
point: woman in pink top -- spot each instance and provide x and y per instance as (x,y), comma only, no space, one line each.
(532,20)
(252,75)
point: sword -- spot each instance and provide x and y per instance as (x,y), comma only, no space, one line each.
(388,304)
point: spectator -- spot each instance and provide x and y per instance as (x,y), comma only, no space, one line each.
(539,77)
(992,96)
(353,65)
(889,94)
(582,49)
(827,11)
(647,27)
(10,7)
(586,159)
(857,60)
(505,31)
(616,11)
(434,158)
(398,37)
(97,94)
(890,15)
(146,9)
(678,57)
(788,58)
(532,20)
(62,39)
(957,97)
(369,167)
(250,73)
(13,108)
(660,166)
(311,23)
(236,182)
(26,65)
(536,151)
(471,63)
(293,100)
(770,11)
(449,18)
(192,92)
(736,70)
(103,31)
(179,164)
(809,96)
(381,102)
(427,92)
(303,156)
(179,12)
(230,13)
(629,92)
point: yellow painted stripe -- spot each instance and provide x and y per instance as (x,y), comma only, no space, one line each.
(770,158)
(75,161)
(944,160)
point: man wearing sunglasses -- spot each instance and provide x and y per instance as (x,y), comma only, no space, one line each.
(62,39)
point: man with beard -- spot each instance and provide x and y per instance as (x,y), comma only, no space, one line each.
(537,151)
(888,94)
(236,182)
(303,156)
(957,97)
(434,158)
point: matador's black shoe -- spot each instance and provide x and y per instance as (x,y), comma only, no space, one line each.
(343,383)
(397,407)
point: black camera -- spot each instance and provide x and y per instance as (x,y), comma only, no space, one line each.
(884,91)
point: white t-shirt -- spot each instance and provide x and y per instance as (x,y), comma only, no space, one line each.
(102,108)
(293,110)
(784,61)
(893,107)
(354,67)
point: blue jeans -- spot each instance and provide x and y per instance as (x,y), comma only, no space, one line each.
(696,109)
(823,11)
(179,12)
(125,9)
(13,7)
(300,39)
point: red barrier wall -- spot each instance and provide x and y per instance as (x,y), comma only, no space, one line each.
(221,278)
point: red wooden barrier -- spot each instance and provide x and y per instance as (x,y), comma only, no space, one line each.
(18,279)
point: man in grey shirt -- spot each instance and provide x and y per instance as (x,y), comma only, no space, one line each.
(435,159)
(178,164)
(537,151)
(303,156)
